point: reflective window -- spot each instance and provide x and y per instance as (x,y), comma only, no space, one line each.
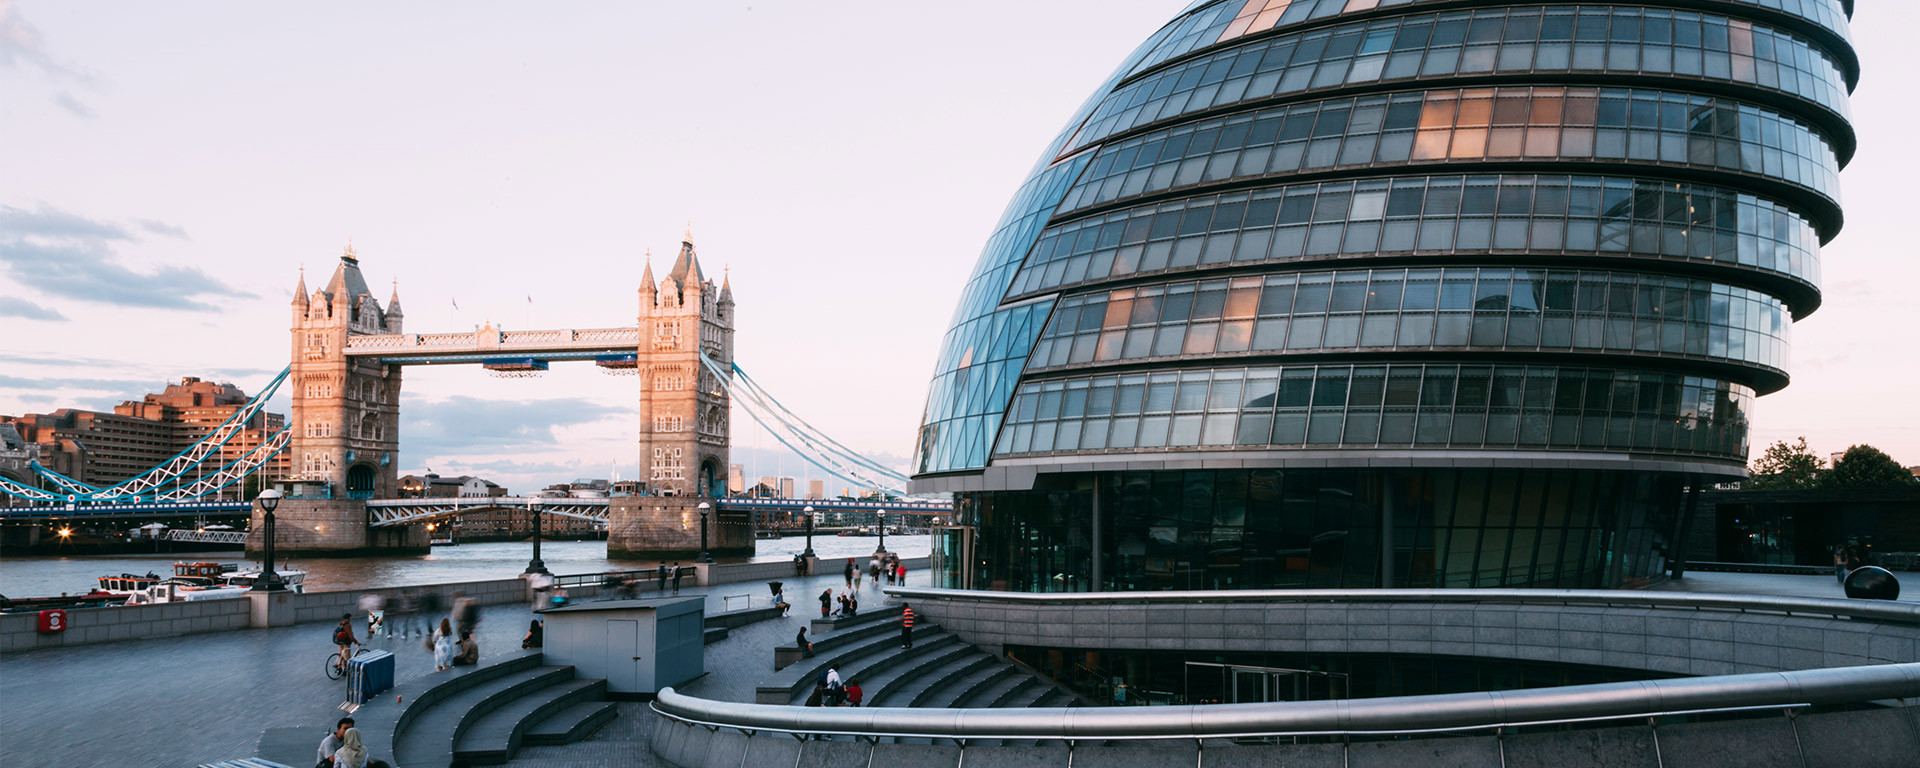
(1351,220)
(1230,20)
(1320,528)
(1520,40)
(1399,309)
(1458,126)
(986,345)
(1367,406)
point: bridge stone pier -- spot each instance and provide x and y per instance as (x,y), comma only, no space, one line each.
(331,528)
(668,527)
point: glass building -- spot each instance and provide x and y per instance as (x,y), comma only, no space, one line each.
(1424,293)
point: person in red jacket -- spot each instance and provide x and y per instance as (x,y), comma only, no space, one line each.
(906,626)
(854,694)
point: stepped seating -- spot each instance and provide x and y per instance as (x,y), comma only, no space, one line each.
(842,631)
(481,714)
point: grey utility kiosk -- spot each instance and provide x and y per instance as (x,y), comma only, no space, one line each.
(639,646)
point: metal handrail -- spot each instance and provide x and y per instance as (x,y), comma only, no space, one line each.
(1390,715)
(1881,610)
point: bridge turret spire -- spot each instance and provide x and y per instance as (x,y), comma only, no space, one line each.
(646,276)
(300,289)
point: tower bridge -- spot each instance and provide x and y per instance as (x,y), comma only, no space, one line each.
(348,352)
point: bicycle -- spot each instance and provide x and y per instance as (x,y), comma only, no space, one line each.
(337,669)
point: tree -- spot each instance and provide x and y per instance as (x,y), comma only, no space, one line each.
(1785,467)
(1864,466)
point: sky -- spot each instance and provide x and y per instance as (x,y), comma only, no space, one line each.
(167,170)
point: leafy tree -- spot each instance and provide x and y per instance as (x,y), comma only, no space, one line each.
(1864,466)
(1785,467)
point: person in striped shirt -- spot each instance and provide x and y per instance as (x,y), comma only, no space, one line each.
(906,626)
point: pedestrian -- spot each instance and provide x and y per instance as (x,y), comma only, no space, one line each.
(343,638)
(466,613)
(854,694)
(900,573)
(334,739)
(430,607)
(1840,563)
(873,570)
(661,572)
(540,584)
(849,573)
(853,603)
(906,625)
(857,573)
(676,578)
(800,641)
(442,644)
(799,565)
(819,696)
(826,602)
(404,606)
(469,651)
(351,754)
(536,634)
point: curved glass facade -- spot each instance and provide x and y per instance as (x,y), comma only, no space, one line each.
(1392,293)
(1555,40)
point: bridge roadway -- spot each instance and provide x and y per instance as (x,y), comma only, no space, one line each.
(488,343)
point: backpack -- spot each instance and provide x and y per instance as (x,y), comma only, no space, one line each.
(340,636)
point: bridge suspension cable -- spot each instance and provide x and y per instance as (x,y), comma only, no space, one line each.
(812,445)
(153,482)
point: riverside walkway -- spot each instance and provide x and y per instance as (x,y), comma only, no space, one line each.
(207,697)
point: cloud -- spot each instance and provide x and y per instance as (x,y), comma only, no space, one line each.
(71,383)
(70,256)
(162,228)
(22,48)
(66,101)
(465,425)
(22,308)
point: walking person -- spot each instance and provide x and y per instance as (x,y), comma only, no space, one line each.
(466,613)
(873,569)
(661,572)
(676,578)
(906,625)
(826,603)
(1840,563)
(900,573)
(431,607)
(857,573)
(404,606)
(849,573)
(375,606)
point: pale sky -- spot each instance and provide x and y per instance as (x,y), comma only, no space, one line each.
(168,168)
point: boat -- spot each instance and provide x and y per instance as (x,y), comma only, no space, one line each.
(193,583)
(124,584)
(294,580)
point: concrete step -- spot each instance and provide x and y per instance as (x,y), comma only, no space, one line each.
(1025,688)
(873,668)
(1054,698)
(985,695)
(713,635)
(798,678)
(882,679)
(952,694)
(428,739)
(846,632)
(834,625)
(926,674)
(494,737)
(382,720)
(571,724)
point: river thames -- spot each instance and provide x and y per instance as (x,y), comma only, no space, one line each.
(47,576)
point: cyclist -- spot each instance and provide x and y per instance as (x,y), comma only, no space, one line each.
(343,637)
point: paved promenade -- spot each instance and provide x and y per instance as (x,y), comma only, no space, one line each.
(180,701)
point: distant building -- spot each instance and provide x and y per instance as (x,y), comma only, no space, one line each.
(432,486)
(816,489)
(627,488)
(736,479)
(786,488)
(105,448)
(762,489)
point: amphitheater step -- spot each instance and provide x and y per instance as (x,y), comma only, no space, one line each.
(570,724)
(885,684)
(961,690)
(935,675)
(876,666)
(429,738)
(494,737)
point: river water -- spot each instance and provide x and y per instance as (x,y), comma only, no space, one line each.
(47,576)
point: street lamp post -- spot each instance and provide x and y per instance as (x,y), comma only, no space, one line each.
(269,580)
(880,517)
(535,565)
(705,556)
(809,513)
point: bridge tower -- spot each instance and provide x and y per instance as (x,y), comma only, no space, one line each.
(683,410)
(684,429)
(346,411)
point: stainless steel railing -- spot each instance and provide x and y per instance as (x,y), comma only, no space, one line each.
(1878,610)
(1378,716)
